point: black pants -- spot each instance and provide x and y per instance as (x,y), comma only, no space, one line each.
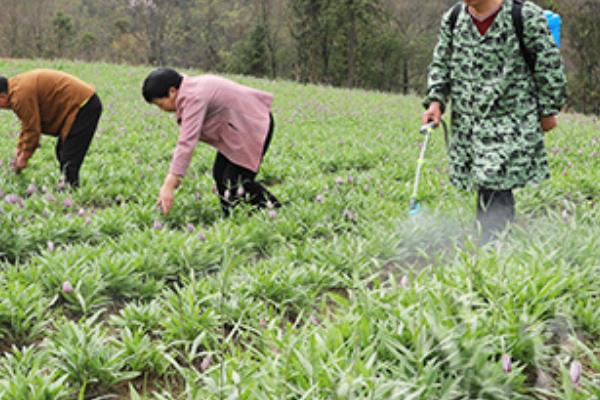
(72,151)
(235,183)
(495,210)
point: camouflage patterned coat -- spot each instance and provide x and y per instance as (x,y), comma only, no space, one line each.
(497,141)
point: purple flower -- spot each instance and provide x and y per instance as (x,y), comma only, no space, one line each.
(31,189)
(319,198)
(81,212)
(61,185)
(404,282)
(350,179)
(262,323)
(201,237)
(349,215)
(14,199)
(240,191)
(272,214)
(67,287)
(190,228)
(157,225)
(50,197)
(206,362)
(68,203)
(50,246)
(88,220)
(11,198)
(506,363)
(575,373)
(339,180)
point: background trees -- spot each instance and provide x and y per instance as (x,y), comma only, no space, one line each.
(375,44)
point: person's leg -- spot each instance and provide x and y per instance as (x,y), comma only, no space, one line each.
(241,185)
(219,177)
(74,149)
(495,210)
(269,135)
(236,183)
(59,154)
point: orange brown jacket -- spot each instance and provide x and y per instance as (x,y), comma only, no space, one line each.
(46,101)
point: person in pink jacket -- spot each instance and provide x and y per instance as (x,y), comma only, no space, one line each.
(234,119)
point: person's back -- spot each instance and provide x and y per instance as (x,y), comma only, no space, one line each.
(233,95)
(58,96)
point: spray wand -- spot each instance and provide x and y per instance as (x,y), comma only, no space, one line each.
(426,130)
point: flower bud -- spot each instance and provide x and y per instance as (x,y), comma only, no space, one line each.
(67,287)
(575,373)
(506,363)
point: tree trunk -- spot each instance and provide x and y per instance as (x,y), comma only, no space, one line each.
(351,43)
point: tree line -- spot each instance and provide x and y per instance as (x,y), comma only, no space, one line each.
(375,44)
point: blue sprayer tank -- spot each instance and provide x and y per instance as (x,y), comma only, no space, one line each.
(554,23)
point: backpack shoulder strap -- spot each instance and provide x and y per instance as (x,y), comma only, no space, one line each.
(517,18)
(454,16)
(452,22)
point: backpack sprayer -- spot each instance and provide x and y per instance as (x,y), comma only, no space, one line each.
(414,205)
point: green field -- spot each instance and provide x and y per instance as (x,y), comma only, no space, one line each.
(340,296)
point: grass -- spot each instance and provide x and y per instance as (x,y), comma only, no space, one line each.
(340,296)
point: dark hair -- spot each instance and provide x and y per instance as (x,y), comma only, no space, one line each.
(158,83)
(3,85)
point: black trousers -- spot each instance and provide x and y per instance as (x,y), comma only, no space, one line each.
(236,183)
(495,210)
(71,153)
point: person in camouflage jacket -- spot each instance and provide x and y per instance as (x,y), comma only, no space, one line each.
(500,108)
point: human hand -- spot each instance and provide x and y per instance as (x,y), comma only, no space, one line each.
(20,162)
(549,123)
(166,196)
(433,114)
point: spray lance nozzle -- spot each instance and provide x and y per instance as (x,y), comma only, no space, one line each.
(414,207)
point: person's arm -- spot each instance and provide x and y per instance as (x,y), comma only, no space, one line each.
(192,119)
(549,75)
(438,78)
(27,109)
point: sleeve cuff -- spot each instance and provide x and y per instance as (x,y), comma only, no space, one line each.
(431,98)
(549,112)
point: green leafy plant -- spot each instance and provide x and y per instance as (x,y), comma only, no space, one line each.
(87,356)
(24,374)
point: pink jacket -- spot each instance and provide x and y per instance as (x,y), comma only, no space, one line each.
(231,117)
